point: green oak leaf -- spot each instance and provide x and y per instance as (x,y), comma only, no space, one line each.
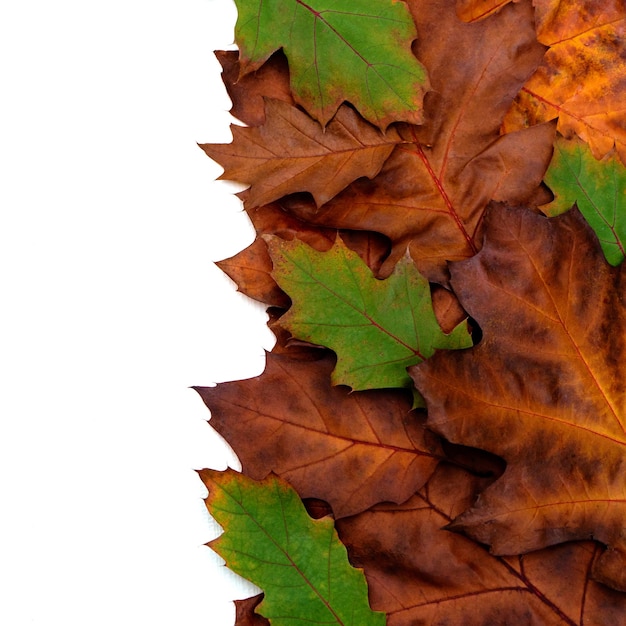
(377,328)
(597,187)
(299,562)
(338,50)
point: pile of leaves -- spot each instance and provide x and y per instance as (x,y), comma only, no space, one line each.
(438,191)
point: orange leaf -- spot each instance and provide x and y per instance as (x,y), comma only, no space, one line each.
(582,78)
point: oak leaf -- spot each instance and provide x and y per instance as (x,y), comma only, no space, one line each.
(247,93)
(423,575)
(351,450)
(291,152)
(377,328)
(338,50)
(582,78)
(434,188)
(299,562)
(475,10)
(245,612)
(251,268)
(544,389)
(597,187)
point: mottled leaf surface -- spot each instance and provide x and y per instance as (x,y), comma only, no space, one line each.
(290,152)
(352,450)
(299,562)
(377,328)
(544,389)
(597,187)
(338,50)
(582,78)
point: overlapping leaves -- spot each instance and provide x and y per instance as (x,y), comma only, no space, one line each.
(353,221)
(338,50)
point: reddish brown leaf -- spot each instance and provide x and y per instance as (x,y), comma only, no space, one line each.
(423,575)
(475,10)
(245,615)
(291,152)
(433,191)
(350,450)
(544,389)
(251,268)
(248,92)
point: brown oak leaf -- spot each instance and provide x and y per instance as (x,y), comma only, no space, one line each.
(545,389)
(475,10)
(251,268)
(582,78)
(423,575)
(433,189)
(291,153)
(248,92)
(351,450)
(245,614)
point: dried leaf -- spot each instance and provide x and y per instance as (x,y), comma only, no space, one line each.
(423,575)
(248,92)
(597,187)
(582,78)
(377,328)
(544,389)
(291,152)
(433,190)
(476,10)
(351,450)
(299,562)
(251,268)
(245,615)
(338,50)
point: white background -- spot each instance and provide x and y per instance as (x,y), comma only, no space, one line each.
(110,308)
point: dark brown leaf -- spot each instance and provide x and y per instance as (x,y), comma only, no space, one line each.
(245,615)
(544,389)
(423,575)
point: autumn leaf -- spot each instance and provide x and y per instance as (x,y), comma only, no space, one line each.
(597,187)
(251,268)
(338,50)
(299,562)
(377,328)
(544,389)
(433,189)
(351,450)
(245,615)
(291,152)
(248,93)
(475,10)
(421,574)
(582,78)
